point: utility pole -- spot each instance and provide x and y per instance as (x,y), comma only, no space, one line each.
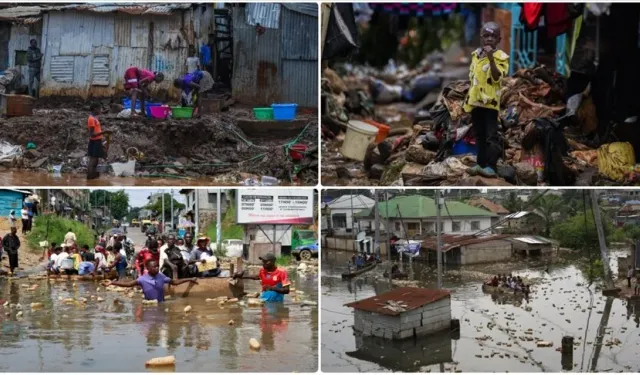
(197,213)
(601,239)
(172,228)
(386,225)
(218,221)
(439,237)
(162,221)
(377,218)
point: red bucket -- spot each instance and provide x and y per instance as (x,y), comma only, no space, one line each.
(297,151)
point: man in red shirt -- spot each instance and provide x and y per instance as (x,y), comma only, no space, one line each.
(136,81)
(274,280)
(147,254)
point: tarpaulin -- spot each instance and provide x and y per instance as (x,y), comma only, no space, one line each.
(342,33)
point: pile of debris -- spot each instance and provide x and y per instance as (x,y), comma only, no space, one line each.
(543,141)
(211,145)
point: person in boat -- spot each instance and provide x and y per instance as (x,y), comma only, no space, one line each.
(88,265)
(153,282)
(102,241)
(205,255)
(174,265)
(52,266)
(274,280)
(46,253)
(187,250)
(493,282)
(526,289)
(145,255)
(74,254)
(117,261)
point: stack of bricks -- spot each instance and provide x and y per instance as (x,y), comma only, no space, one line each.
(424,320)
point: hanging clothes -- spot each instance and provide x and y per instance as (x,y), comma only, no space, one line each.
(558,17)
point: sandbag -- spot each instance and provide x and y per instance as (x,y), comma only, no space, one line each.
(615,160)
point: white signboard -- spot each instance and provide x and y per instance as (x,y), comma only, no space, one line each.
(274,206)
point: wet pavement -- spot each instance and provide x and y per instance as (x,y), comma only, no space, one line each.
(497,334)
(110,336)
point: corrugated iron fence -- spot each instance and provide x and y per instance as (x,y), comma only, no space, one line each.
(279,65)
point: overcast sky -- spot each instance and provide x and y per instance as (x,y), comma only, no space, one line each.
(138,197)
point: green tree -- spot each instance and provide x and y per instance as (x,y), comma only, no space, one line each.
(579,232)
(157,206)
(512,203)
(115,203)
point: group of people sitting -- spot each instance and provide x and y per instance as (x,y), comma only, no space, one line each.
(363,259)
(176,260)
(508,281)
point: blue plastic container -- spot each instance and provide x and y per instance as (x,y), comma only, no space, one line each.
(462,148)
(284,112)
(126,102)
(147,107)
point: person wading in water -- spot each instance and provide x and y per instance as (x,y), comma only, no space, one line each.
(153,282)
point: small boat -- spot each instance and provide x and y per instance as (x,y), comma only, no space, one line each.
(62,277)
(208,287)
(356,272)
(499,289)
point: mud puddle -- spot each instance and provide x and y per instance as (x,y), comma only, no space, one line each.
(493,335)
(109,337)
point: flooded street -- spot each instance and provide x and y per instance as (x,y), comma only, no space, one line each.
(118,334)
(496,334)
(30,178)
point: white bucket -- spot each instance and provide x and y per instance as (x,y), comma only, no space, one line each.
(359,136)
(124,169)
(66,264)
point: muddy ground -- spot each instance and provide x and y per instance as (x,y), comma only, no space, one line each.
(208,146)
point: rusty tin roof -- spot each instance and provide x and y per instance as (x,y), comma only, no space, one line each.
(413,298)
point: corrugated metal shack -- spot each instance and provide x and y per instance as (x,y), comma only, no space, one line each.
(88,47)
(281,63)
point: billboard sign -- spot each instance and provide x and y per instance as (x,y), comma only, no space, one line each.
(274,206)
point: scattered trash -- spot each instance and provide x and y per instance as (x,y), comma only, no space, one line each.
(232,323)
(254,344)
(187,309)
(37,305)
(147,302)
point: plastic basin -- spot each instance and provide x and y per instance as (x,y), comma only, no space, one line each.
(284,112)
(297,152)
(148,106)
(124,169)
(181,112)
(263,113)
(126,102)
(161,112)
(462,148)
(358,137)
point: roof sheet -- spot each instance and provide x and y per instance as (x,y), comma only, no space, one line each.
(518,215)
(419,206)
(412,297)
(29,14)
(489,205)
(533,240)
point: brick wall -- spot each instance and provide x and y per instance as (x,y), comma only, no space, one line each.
(486,252)
(422,321)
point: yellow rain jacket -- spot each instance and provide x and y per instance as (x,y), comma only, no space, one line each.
(483,90)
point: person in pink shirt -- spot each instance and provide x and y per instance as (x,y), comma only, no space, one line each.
(136,81)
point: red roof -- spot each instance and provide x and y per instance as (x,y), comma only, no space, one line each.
(412,297)
(450,242)
(488,205)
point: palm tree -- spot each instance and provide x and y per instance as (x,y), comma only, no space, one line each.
(548,206)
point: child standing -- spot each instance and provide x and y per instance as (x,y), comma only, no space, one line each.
(488,66)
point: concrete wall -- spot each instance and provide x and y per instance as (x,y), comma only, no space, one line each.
(422,321)
(492,251)
(346,244)
(256,250)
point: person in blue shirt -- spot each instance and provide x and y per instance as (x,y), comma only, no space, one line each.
(193,86)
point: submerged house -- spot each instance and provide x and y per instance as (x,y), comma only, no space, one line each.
(87,47)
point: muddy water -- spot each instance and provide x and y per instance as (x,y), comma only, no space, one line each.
(26,178)
(559,305)
(108,337)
